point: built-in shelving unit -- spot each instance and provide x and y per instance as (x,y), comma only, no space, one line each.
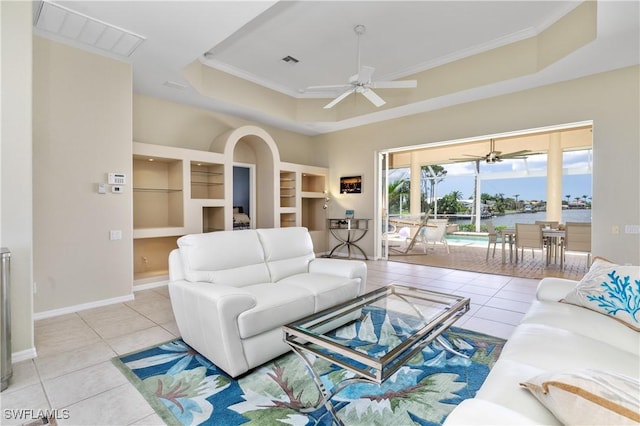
(176,191)
(179,191)
(287,189)
(302,200)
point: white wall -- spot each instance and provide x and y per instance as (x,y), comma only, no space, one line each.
(16,229)
(82,126)
(611,100)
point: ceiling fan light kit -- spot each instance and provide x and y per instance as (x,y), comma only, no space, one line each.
(362,81)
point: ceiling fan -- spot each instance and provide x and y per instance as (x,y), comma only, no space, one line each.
(362,83)
(494,156)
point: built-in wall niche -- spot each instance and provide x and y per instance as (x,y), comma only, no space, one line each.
(207,180)
(287,220)
(313,183)
(212,219)
(287,189)
(150,259)
(313,214)
(157,192)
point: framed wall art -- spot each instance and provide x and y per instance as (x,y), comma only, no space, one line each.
(351,185)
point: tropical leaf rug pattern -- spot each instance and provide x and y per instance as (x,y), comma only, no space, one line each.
(185,388)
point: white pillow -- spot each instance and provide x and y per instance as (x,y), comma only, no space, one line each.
(588,397)
(610,289)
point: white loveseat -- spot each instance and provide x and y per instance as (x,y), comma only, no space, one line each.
(231,291)
(553,337)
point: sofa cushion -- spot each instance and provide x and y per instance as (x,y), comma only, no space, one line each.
(585,322)
(328,290)
(610,289)
(552,348)
(588,396)
(477,411)
(502,387)
(234,258)
(287,251)
(277,304)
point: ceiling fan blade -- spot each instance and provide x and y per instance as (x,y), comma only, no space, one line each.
(373,97)
(466,160)
(338,99)
(328,87)
(516,153)
(400,84)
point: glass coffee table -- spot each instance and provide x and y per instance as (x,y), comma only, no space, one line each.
(373,335)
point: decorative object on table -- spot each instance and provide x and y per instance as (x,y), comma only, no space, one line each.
(184,388)
(351,185)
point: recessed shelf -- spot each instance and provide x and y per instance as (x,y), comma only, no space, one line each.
(157,193)
(207,180)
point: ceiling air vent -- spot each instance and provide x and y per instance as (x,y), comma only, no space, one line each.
(290,60)
(65,24)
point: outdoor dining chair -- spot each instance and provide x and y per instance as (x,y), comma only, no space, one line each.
(578,238)
(528,235)
(494,238)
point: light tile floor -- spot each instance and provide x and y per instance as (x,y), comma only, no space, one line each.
(73,372)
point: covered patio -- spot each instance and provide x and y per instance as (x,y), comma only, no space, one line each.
(472,257)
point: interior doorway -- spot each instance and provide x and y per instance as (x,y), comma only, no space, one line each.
(244,196)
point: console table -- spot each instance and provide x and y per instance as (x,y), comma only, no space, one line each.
(348,232)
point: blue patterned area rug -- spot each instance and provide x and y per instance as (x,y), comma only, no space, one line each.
(185,388)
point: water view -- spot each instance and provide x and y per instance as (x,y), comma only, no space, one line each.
(510,220)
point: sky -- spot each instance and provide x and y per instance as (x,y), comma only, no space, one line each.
(526,178)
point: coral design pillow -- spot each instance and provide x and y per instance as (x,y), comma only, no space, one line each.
(610,289)
(588,397)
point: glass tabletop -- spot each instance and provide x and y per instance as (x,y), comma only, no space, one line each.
(374,334)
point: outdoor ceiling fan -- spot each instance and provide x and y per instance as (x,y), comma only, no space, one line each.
(494,156)
(362,82)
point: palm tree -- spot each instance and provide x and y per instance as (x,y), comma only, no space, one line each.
(396,190)
(432,175)
(568,197)
(516,197)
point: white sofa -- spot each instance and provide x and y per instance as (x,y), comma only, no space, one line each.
(553,337)
(231,291)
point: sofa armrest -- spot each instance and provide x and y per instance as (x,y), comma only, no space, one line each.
(342,268)
(553,289)
(207,317)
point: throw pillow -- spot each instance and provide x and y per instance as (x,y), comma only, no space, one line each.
(588,397)
(610,289)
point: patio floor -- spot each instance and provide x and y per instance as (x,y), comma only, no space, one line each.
(472,257)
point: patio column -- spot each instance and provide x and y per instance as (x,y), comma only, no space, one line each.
(554,178)
(414,198)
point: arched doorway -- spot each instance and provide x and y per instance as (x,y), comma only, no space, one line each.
(252,145)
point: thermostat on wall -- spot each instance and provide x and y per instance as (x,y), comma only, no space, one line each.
(117,179)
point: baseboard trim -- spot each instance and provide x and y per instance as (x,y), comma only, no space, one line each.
(82,307)
(23,355)
(147,286)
